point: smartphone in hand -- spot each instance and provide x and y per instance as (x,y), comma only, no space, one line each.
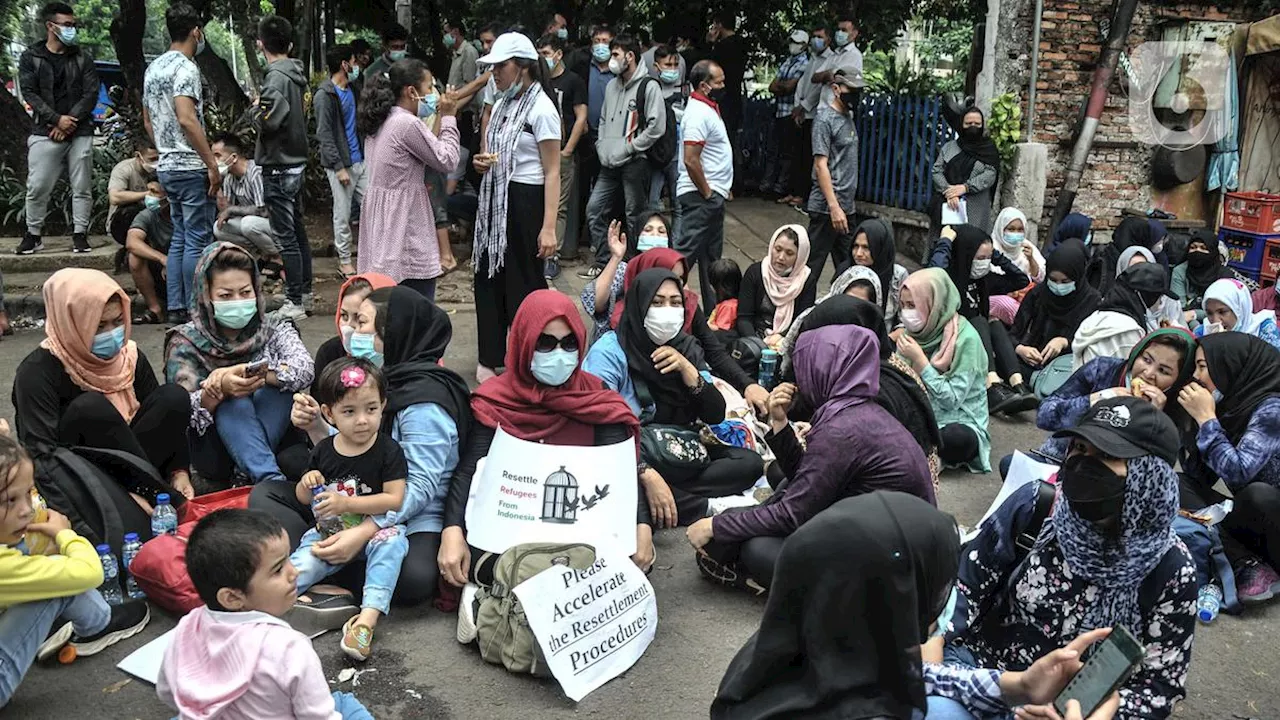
(256,369)
(1105,672)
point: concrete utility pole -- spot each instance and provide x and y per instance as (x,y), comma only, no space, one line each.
(1102,75)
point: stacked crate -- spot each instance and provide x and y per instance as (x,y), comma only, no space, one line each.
(1251,232)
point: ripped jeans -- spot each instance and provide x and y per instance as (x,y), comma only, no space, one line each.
(383,555)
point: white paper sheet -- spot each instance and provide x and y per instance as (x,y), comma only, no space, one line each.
(144,663)
(955,217)
(1022,470)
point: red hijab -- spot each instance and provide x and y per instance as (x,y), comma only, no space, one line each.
(529,410)
(377,281)
(663,259)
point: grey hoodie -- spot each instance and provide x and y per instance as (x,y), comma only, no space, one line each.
(282,124)
(623,136)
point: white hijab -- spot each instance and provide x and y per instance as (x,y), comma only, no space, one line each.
(1235,295)
(1014,252)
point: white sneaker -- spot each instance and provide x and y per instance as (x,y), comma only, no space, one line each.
(289,311)
(466,614)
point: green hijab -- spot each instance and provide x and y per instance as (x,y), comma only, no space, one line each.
(952,346)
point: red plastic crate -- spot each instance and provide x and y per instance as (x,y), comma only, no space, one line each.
(1252,212)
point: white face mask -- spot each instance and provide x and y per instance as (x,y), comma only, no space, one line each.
(663,323)
(911,319)
(649,241)
(554,367)
(1157,248)
(979,269)
(796,48)
(616,66)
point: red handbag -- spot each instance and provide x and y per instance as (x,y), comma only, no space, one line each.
(201,505)
(160,569)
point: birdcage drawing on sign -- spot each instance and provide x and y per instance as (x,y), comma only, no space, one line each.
(560,498)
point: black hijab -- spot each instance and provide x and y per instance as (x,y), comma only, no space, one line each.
(972,151)
(1203,270)
(841,630)
(667,391)
(1137,289)
(1246,370)
(974,295)
(883,254)
(1043,315)
(414,338)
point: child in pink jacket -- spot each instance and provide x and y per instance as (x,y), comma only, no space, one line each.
(235,658)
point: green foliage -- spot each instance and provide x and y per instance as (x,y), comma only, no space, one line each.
(1005,126)
(884,75)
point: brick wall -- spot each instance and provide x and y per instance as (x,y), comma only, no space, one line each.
(1118,172)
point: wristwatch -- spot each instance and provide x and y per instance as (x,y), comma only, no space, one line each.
(641,468)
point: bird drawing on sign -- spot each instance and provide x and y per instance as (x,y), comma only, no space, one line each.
(572,504)
(589,503)
(602,493)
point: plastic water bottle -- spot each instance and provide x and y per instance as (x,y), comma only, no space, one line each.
(327,526)
(130,551)
(768,377)
(110,587)
(1209,603)
(164,521)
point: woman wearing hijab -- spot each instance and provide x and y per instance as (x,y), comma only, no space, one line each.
(1235,404)
(873,248)
(1228,305)
(1132,232)
(1123,317)
(601,295)
(946,352)
(1051,314)
(352,293)
(88,384)
(659,370)
(1074,225)
(967,170)
(902,392)
(841,631)
(515,229)
(1168,311)
(968,255)
(544,397)
(858,282)
(247,408)
(776,290)
(1203,267)
(1106,557)
(1010,237)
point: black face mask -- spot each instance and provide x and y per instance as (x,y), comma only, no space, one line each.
(1095,491)
(716,95)
(971,133)
(1199,260)
(850,99)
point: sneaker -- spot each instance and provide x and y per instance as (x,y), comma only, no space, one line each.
(57,640)
(727,575)
(591,272)
(551,269)
(1026,400)
(999,395)
(324,613)
(290,311)
(1256,581)
(80,243)
(127,620)
(177,317)
(467,614)
(357,640)
(30,244)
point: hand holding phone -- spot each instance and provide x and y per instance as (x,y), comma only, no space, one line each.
(256,369)
(1106,671)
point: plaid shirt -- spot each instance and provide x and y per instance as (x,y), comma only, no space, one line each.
(975,688)
(792,68)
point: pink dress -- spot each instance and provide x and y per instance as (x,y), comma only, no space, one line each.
(397,226)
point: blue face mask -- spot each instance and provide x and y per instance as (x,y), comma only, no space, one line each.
(427,105)
(67,34)
(1088,239)
(235,314)
(107,344)
(563,33)
(354,72)
(649,242)
(362,347)
(449,40)
(842,38)
(945,618)
(551,63)
(818,44)
(1062,289)
(1014,238)
(152,202)
(1217,395)
(600,52)
(553,367)
(398,55)
(670,77)
(511,92)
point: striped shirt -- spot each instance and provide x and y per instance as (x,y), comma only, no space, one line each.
(245,191)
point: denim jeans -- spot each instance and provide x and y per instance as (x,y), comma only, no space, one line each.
(193,213)
(702,240)
(24,626)
(668,176)
(629,184)
(383,557)
(282,190)
(251,429)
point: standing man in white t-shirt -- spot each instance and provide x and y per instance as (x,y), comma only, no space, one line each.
(706,174)
(844,56)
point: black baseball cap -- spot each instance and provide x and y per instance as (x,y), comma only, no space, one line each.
(1127,427)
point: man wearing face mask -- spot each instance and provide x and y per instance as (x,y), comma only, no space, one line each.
(808,94)
(341,147)
(786,135)
(569,93)
(127,188)
(706,174)
(147,244)
(242,217)
(835,176)
(59,82)
(844,56)
(395,47)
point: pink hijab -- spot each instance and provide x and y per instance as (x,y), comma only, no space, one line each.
(783,291)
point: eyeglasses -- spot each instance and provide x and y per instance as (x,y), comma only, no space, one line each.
(547,343)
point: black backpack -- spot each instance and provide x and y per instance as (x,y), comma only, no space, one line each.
(664,150)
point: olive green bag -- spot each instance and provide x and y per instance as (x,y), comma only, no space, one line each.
(502,631)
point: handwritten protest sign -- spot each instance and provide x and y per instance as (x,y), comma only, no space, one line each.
(531,492)
(592,624)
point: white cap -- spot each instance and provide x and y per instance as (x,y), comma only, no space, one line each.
(799,36)
(510,45)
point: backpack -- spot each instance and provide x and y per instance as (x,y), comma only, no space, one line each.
(747,351)
(664,150)
(502,631)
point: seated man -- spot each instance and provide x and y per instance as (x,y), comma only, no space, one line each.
(148,246)
(127,188)
(242,210)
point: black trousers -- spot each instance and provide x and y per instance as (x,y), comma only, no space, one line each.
(157,433)
(1002,358)
(419,574)
(802,164)
(959,444)
(497,298)
(731,471)
(784,141)
(122,221)
(825,240)
(1252,529)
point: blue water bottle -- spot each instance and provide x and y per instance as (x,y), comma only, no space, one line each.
(164,521)
(1209,603)
(110,587)
(130,551)
(768,377)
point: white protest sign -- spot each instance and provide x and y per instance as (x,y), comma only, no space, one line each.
(530,492)
(592,624)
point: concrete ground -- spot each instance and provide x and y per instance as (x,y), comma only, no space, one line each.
(419,670)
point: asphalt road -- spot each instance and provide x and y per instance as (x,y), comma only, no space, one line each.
(419,671)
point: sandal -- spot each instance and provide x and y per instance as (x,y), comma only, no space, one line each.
(148,318)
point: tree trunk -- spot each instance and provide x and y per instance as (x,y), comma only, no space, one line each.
(127,30)
(15,126)
(302,31)
(221,87)
(250,46)
(330,37)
